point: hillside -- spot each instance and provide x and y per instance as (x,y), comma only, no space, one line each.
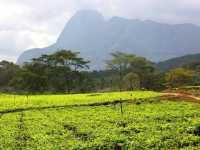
(95,37)
(178,62)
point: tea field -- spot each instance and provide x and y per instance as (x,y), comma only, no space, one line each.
(15,102)
(104,121)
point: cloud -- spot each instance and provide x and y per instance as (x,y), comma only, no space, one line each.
(26,24)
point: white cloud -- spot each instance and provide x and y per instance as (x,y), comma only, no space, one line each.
(37,23)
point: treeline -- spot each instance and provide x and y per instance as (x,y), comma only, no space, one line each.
(66,71)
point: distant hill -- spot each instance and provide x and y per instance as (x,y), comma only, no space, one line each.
(95,37)
(178,62)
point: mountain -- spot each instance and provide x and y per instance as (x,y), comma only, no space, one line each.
(89,33)
(177,62)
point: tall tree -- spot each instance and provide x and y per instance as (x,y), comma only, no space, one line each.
(119,63)
(122,64)
(65,69)
(56,72)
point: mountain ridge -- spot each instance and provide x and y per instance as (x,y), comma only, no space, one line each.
(177,62)
(89,33)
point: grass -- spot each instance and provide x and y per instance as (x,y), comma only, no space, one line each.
(147,123)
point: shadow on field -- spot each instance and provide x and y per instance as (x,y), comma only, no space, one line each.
(134,101)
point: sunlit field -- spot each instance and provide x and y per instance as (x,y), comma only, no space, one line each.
(8,102)
(127,120)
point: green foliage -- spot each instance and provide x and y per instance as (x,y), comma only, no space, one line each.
(64,71)
(196,79)
(35,101)
(145,124)
(119,63)
(156,82)
(122,64)
(7,73)
(179,77)
(29,81)
(197,130)
(57,72)
(195,66)
(131,81)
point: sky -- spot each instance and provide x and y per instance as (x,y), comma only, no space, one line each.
(26,24)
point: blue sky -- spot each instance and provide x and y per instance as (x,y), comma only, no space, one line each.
(27,24)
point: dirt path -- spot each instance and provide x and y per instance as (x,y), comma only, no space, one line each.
(181,97)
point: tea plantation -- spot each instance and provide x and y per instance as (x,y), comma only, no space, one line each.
(126,120)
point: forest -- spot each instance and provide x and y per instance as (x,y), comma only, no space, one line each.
(66,71)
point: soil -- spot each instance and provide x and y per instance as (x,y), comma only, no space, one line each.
(181,97)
